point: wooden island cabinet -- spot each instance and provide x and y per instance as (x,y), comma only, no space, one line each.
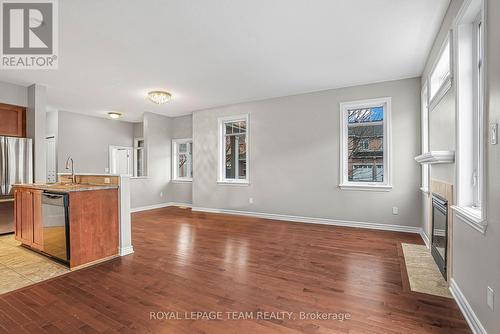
(28,217)
(91,234)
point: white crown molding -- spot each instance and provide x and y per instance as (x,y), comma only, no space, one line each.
(310,220)
(467,311)
(436,157)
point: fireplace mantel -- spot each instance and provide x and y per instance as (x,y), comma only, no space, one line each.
(436,157)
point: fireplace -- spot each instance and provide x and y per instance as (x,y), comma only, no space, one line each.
(439,246)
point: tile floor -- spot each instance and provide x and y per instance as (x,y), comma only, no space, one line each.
(423,272)
(20,267)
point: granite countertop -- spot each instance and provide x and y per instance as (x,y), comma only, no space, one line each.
(66,187)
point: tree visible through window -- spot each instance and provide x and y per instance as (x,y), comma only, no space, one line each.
(233,145)
(183,159)
(365,130)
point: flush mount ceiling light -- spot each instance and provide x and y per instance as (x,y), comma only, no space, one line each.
(114,114)
(159,97)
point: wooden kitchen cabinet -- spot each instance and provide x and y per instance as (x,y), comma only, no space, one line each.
(28,217)
(13,122)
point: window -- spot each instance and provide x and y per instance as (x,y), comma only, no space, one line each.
(425,136)
(365,153)
(440,77)
(233,145)
(470,97)
(182,159)
(139,157)
(477,124)
(364,144)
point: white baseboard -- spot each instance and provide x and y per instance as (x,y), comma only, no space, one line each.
(467,311)
(425,238)
(309,220)
(125,250)
(159,206)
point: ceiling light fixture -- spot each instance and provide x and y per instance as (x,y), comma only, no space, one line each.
(114,114)
(159,97)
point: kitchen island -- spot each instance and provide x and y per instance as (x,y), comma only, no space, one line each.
(74,223)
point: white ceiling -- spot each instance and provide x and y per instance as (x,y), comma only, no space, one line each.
(212,53)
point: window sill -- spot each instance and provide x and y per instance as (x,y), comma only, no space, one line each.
(234,183)
(472,217)
(366,187)
(139,177)
(182,181)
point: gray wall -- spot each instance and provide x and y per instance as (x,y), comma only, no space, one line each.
(152,190)
(441,118)
(294,157)
(87,139)
(476,260)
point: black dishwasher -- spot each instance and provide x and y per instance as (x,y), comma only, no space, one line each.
(55,213)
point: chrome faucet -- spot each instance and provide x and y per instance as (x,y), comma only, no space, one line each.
(73,178)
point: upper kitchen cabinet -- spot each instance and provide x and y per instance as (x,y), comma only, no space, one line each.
(13,122)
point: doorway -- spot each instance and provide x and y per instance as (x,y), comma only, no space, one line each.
(120,160)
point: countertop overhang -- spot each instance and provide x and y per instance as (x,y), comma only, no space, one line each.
(66,187)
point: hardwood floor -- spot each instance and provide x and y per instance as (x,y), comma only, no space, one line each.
(187,262)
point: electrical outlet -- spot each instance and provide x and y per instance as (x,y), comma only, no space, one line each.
(106,170)
(395,210)
(250,200)
(490,297)
(493,133)
(107,180)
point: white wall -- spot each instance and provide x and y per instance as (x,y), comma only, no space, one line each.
(87,139)
(294,157)
(13,94)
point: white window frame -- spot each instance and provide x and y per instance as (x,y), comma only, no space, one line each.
(137,148)
(425,136)
(447,83)
(471,126)
(345,184)
(221,178)
(175,159)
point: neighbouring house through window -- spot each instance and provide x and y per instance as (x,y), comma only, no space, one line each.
(182,159)
(365,144)
(233,144)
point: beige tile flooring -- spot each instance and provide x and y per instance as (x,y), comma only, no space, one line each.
(20,267)
(423,272)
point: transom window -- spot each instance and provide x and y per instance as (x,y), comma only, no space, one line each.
(233,144)
(440,77)
(365,144)
(182,159)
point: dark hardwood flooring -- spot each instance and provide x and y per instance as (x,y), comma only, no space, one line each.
(186,262)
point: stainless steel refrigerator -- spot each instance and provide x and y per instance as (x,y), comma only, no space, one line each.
(16,166)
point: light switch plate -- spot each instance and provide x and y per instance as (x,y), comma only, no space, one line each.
(395,210)
(490,298)
(493,133)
